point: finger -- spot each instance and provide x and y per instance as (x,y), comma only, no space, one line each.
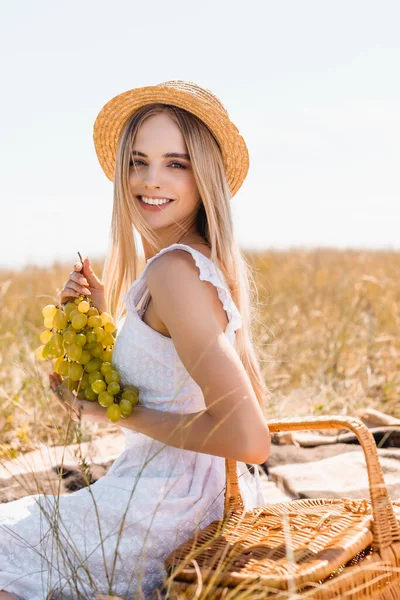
(57,377)
(71,292)
(53,383)
(76,286)
(90,275)
(79,278)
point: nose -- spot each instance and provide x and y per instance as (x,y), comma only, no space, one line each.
(150,177)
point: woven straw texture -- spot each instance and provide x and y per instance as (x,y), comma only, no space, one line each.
(201,102)
(320,549)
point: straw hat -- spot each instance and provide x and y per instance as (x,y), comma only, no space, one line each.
(201,102)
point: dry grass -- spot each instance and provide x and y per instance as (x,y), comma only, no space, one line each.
(326,329)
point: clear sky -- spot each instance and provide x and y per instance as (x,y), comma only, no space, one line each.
(312,85)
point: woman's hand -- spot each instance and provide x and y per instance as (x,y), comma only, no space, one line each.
(84,282)
(90,411)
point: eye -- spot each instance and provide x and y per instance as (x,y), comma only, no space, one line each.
(135,163)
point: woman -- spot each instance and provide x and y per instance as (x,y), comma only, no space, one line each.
(176,160)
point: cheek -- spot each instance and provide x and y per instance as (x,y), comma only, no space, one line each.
(190,185)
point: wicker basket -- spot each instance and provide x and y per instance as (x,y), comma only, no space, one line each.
(320,549)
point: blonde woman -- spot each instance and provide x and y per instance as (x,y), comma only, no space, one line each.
(184,340)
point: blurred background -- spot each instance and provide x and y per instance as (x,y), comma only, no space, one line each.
(313,87)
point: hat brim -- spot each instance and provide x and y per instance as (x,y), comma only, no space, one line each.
(114,115)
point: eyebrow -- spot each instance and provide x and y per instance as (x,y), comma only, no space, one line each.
(168,155)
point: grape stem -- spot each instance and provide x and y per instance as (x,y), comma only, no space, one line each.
(80,258)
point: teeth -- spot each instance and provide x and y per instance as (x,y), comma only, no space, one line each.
(151,201)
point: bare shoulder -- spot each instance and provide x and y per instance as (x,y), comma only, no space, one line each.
(173,279)
(165,263)
(173,272)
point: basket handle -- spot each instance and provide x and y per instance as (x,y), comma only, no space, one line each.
(385,527)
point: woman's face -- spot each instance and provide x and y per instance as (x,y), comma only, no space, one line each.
(153,174)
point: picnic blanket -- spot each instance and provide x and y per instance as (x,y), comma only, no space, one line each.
(331,464)
(339,476)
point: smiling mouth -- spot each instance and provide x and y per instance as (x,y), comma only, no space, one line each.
(156,204)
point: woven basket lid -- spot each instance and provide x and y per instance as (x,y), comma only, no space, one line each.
(296,543)
(187,95)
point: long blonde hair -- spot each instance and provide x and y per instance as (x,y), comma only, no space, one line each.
(213,222)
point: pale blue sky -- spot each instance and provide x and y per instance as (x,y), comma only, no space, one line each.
(312,85)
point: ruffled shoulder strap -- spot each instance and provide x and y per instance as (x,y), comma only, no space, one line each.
(208,271)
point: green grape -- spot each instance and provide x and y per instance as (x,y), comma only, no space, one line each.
(49,311)
(75,352)
(105,318)
(98,362)
(85,383)
(108,340)
(46,351)
(49,352)
(114,413)
(94,376)
(85,358)
(60,319)
(125,407)
(45,336)
(81,394)
(94,321)
(91,345)
(131,396)
(105,368)
(97,351)
(57,363)
(79,321)
(113,376)
(99,386)
(105,399)
(91,337)
(113,388)
(73,314)
(92,312)
(107,356)
(63,368)
(80,339)
(109,327)
(69,336)
(68,308)
(75,371)
(90,395)
(92,365)
(48,322)
(56,342)
(100,333)
(84,306)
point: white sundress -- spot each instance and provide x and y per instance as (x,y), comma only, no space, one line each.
(167,493)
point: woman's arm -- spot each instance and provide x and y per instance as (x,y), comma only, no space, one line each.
(233,425)
(194,431)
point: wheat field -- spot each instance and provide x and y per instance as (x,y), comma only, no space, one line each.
(326,328)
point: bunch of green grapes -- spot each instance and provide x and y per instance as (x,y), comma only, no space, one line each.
(80,339)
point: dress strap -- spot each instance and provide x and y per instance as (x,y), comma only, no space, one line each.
(208,271)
